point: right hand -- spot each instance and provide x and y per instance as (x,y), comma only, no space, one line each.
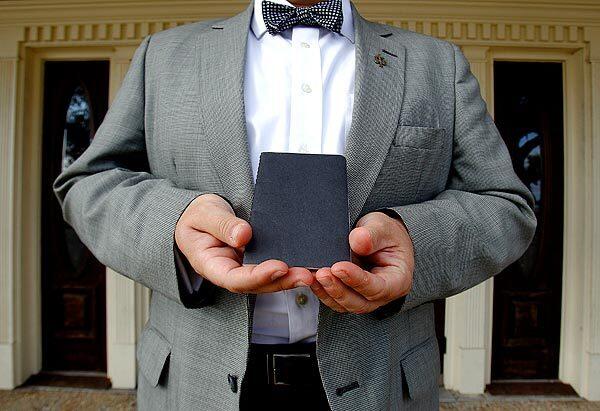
(213,239)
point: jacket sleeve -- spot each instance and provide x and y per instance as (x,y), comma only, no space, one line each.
(483,220)
(124,214)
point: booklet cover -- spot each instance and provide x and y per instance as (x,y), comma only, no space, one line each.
(300,210)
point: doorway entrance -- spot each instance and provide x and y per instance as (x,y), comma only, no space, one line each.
(73,281)
(528,102)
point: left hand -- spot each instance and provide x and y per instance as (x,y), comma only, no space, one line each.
(382,246)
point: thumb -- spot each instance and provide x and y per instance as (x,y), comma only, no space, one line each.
(215,216)
(371,234)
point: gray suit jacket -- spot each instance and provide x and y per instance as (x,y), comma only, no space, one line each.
(421,143)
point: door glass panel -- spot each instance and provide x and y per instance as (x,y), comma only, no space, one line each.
(79,129)
(78,134)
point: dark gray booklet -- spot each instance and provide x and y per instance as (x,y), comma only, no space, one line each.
(300,210)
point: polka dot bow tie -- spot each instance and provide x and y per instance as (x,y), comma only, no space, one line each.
(279,17)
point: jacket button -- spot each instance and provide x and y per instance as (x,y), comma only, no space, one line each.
(232,379)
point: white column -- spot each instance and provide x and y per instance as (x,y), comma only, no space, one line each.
(126,301)
(9,301)
(469,314)
(8,71)
(120,330)
(590,364)
(577,215)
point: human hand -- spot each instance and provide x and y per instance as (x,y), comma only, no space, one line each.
(213,239)
(381,244)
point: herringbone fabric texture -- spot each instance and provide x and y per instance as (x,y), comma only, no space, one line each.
(421,143)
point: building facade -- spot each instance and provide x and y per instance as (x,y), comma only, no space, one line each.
(538,64)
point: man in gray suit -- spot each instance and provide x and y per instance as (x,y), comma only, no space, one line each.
(163,196)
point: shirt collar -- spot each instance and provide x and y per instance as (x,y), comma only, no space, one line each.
(259,27)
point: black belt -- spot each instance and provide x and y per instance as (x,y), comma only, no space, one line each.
(284,364)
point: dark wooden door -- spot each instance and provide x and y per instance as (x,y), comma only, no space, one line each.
(528,101)
(73,281)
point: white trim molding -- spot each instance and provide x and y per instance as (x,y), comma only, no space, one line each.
(465,31)
(8,296)
(469,314)
(590,367)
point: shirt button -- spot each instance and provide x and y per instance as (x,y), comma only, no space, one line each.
(301,299)
(305,45)
(306,88)
(303,149)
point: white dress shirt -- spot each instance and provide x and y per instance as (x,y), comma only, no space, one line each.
(298,97)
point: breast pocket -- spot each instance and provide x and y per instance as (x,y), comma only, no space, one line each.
(415,169)
(420,137)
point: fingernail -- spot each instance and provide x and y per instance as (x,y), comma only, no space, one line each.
(235,231)
(326,281)
(278,274)
(300,284)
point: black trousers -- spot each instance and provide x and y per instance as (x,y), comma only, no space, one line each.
(283,377)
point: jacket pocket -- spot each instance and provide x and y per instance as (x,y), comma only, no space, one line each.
(152,353)
(421,137)
(420,370)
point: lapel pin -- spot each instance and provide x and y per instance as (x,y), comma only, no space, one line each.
(380,60)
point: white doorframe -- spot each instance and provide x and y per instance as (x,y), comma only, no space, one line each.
(126,302)
(469,334)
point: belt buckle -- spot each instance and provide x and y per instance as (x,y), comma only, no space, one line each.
(272,367)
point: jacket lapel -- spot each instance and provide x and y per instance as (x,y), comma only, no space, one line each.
(378,98)
(378,95)
(220,54)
